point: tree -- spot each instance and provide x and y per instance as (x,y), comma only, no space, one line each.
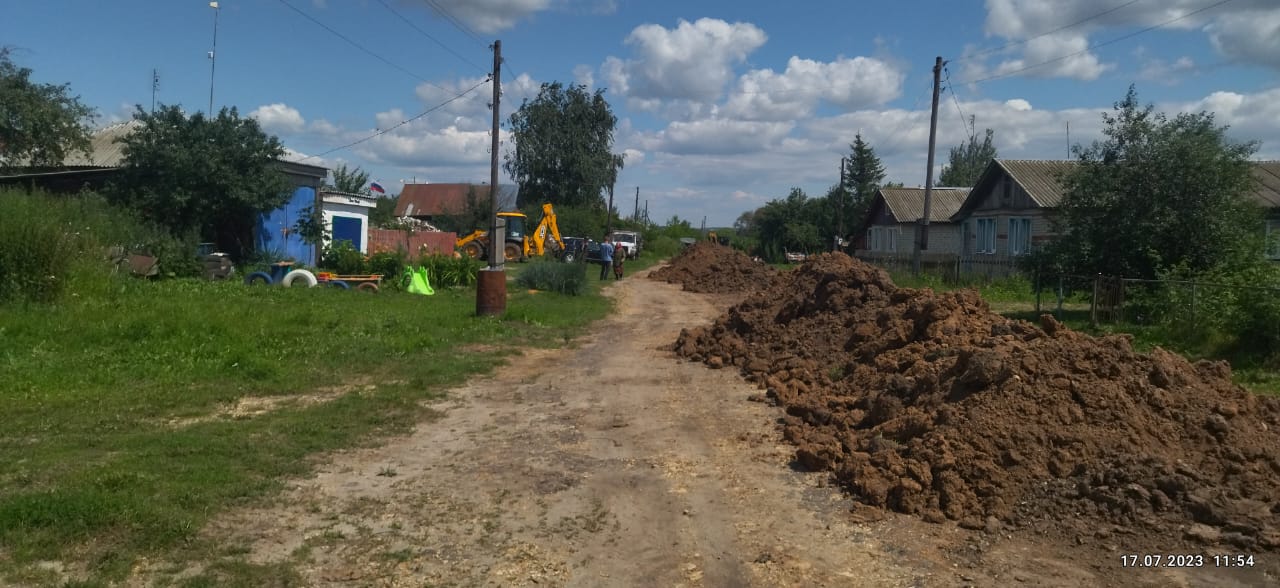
(211,176)
(383,215)
(40,124)
(1157,193)
(563,147)
(473,214)
(967,161)
(862,179)
(351,181)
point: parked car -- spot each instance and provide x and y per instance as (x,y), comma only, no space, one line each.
(593,252)
(574,248)
(632,242)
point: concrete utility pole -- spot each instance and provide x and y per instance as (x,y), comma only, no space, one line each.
(491,283)
(922,231)
(155,86)
(496,253)
(213,55)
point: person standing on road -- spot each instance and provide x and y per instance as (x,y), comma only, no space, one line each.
(619,255)
(606,256)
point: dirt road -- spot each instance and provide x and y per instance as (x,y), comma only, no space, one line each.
(614,464)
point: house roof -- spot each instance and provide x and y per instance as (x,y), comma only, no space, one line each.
(349,198)
(436,199)
(1267,190)
(906,205)
(105,150)
(1039,177)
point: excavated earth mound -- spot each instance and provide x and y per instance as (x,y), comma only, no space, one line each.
(930,404)
(712,268)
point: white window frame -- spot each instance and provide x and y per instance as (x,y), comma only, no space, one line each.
(1019,235)
(984,241)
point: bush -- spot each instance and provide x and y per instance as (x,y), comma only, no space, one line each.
(36,250)
(565,278)
(446,271)
(388,264)
(343,258)
(49,243)
(663,246)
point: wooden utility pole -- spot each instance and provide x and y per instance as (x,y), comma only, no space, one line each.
(495,244)
(922,230)
(608,213)
(635,216)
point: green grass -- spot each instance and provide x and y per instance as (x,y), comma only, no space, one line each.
(93,468)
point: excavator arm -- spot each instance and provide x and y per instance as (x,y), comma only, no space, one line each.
(546,226)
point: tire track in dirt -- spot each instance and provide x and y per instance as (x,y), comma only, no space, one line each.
(611,464)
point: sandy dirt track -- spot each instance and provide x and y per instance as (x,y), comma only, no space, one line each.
(616,464)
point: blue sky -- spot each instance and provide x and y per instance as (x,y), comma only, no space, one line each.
(721,105)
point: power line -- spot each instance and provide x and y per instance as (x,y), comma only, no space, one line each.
(1096,45)
(361,47)
(401,123)
(427,35)
(454,21)
(1044,34)
(968,127)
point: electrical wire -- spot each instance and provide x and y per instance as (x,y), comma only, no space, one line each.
(361,47)
(969,127)
(973,56)
(401,123)
(454,21)
(428,35)
(1096,45)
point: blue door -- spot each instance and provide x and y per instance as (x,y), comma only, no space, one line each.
(346,228)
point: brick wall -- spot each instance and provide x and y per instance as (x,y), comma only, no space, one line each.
(424,242)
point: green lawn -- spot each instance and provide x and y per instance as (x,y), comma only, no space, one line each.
(115,439)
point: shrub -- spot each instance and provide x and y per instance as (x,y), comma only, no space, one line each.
(389,264)
(446,271)
(565,278)
(343,258)
(36,250)
(663,246)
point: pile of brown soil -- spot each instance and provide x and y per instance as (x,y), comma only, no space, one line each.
(712,268)
(930,404)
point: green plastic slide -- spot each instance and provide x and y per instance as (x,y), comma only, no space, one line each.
(417,281)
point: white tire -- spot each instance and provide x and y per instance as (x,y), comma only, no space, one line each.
(299,274)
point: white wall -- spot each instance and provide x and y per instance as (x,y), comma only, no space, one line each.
(332,209)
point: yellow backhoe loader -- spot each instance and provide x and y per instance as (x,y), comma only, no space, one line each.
(519,244)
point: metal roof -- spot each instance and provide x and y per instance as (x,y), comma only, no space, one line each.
(1267,190)
(906,205)
(104,149)
(435,199)
(1039,177)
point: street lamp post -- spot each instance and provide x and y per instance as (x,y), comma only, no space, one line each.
(213,55)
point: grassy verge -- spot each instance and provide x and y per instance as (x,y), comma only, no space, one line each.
(117,440)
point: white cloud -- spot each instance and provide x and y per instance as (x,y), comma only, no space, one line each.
(692,61)
(490,16)
(859,82)
(323,127)
(1243,30)
(1018,104)
(1252,36)
(279,118)
(1166,72)
(583,75)
(719,136)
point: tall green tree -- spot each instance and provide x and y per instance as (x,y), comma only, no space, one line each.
(209,176)
(967,161)
(563,147)
(1155,194)
(40,124)
(350,180)
(863,176)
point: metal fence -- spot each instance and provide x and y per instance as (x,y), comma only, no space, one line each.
(953,269)
(1116,299)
